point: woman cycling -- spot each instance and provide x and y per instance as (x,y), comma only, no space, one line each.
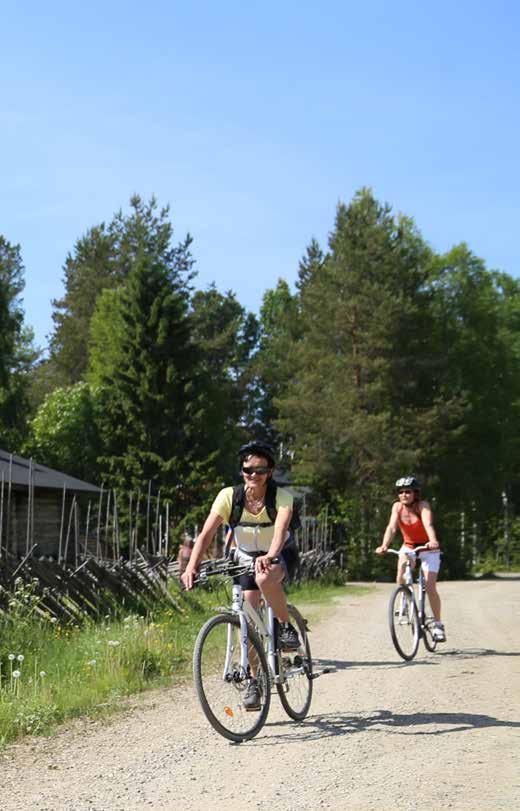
(414,518)
(256,537)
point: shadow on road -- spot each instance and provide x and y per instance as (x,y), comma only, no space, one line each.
(330,725)
(345,664)
(451,653)
(473,653)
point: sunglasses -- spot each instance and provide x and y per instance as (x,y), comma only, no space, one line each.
(260,471)
(405,492)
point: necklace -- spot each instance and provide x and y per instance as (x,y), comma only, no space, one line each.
(254,504)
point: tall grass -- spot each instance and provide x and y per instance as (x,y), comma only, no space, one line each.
(50,672)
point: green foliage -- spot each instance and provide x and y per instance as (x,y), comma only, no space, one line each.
(153,418)
(105,335)
(280,329)
(362,380)
(225,336)
(17,353)
(64,434)
(102,259)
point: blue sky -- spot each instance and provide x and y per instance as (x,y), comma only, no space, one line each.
(252,121)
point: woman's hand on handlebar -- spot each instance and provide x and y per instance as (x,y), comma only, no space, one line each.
(381,550)
(263,564)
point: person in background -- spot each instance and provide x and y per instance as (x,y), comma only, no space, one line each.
(413,516)
(185,551)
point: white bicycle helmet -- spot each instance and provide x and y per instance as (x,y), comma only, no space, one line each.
(408,481)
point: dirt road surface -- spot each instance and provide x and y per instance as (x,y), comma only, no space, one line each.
(440,732)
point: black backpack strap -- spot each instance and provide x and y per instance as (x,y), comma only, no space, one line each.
(270,500)
(237,505)
(238,501)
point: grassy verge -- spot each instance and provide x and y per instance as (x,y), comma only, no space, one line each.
(50,673)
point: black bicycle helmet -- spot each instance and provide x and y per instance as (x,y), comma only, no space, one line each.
(260,448)
(408,481)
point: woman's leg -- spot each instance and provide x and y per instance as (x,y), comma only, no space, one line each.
(433,594)
(271,585)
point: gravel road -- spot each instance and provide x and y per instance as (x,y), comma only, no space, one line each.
(440,732)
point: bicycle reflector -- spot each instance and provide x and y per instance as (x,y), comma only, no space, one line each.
(229,711)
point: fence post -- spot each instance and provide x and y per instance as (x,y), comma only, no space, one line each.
(98,528)
(9,488)
(60,542)
(148,516)
(2,514)
(87,528)
(506,527)
(167,536)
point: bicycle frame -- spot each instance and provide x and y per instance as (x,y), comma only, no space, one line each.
(264,626)
(263,621)
(410,583)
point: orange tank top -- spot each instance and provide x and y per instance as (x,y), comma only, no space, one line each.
(413,534)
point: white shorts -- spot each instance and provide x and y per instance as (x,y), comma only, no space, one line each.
(430,561)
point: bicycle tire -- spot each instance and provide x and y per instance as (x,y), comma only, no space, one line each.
(222,700)
(403,619)
(295,692)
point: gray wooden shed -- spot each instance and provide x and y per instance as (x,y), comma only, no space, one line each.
(36,505)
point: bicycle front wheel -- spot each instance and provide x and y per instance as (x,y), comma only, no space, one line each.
(295,691)
(404,622)
(221,682)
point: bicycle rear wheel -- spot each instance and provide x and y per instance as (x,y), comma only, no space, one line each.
(427,634)
(404,623)
(221,683)
(296,669)
(428,625)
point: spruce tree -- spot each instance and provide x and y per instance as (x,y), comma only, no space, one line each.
(153,421)
(17,352)
(103,258)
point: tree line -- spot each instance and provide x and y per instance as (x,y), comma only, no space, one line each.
(387,358)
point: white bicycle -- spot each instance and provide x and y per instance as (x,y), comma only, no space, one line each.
(407,613)
(239,644)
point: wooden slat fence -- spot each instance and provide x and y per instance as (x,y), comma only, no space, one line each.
(92,589)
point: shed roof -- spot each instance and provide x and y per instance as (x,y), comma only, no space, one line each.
(41,476)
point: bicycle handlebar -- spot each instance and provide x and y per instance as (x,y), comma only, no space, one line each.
(226,567)
(413,552)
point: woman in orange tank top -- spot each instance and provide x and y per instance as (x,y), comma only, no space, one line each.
(414,518)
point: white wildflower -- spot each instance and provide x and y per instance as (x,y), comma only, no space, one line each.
(16,674)
(11,657)
(20,657)
(42,674)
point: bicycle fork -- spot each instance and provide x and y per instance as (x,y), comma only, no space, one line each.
(267,632)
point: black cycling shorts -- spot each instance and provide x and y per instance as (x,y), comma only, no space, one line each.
(247,581)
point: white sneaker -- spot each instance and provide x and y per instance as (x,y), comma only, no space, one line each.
(438,632)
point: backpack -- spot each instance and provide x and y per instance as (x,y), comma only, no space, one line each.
(237,505)
(290,550)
